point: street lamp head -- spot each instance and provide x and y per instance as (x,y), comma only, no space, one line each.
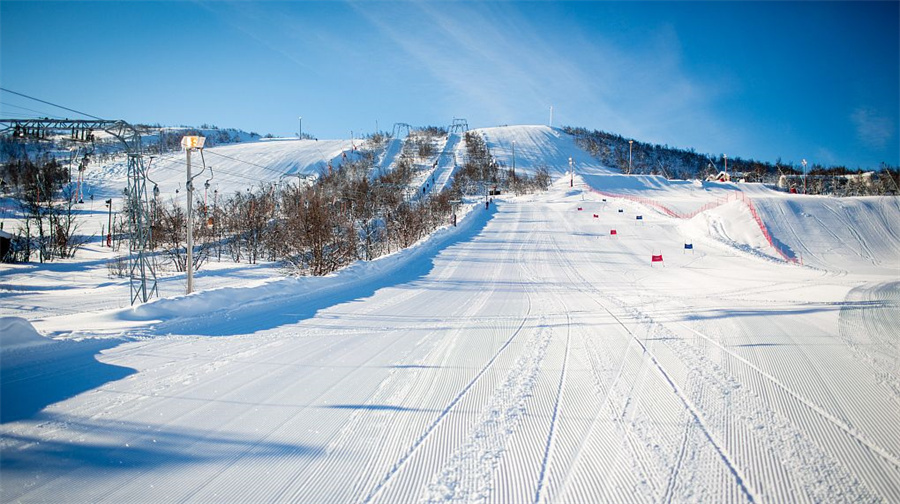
(192,142)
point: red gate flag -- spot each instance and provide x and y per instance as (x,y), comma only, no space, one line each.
(596,216)
(656,258)
(612,232)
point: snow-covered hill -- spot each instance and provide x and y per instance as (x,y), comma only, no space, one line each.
(538,146)
(233,167)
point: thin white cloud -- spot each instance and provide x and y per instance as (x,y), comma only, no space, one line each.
(873,129)
(501,62)
(493,63)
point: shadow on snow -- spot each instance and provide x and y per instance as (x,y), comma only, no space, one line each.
(137,446)
(33,379)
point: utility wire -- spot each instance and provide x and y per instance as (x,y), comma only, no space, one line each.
(49,103)
(273,170)
(248,162)
(174,159)
(28,109)
(100,119)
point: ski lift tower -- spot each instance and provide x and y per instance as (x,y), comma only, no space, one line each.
(142,276)
(459,125)
(400,128)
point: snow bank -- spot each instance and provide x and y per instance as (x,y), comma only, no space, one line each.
(16,332)
(361,279)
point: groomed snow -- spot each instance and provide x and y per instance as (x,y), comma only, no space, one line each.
(528,355)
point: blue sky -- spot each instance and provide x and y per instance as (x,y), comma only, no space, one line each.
(814,80)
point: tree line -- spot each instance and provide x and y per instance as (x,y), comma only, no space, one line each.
(653,159)
(351,211)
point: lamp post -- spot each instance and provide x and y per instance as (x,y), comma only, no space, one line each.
(190,143)
(571,173)
(803,162)
(514,157)
(629,155)
(300,126)
(726,163)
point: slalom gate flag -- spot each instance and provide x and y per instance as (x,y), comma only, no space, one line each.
(639,217)
(612,231)
(689,246)
(620,210)
(579,209)
(596,216)
(656,258)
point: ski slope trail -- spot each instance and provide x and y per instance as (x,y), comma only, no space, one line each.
(538,146)
(388,158)
(534,358)
(449,158)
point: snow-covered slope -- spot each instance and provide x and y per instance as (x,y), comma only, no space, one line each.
(235,167)
(537,146)
(529,355)
(837,234)
(861,234)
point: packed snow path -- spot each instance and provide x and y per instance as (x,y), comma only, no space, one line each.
(537,358)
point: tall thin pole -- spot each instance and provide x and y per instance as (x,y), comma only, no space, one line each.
(629,156)
(803,162)
(190,227)
(300,133)
(571,173)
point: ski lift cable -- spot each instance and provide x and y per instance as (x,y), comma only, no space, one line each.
(174,159)
(273,170)
(246,162)
(226,172)
(50,103)
(42,113)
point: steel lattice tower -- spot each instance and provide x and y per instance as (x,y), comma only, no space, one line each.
(141,273)
(142,276)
